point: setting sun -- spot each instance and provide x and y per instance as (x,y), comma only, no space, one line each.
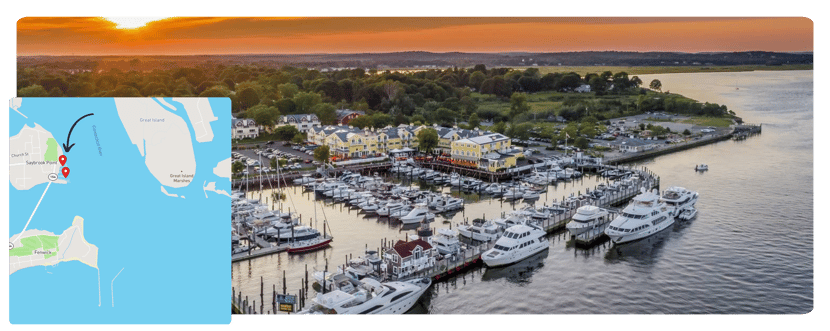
(132,22)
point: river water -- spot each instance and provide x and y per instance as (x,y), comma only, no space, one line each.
(750,250)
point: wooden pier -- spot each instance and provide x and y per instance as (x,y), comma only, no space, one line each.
(287,179)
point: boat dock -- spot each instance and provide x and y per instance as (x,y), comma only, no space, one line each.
(265,248)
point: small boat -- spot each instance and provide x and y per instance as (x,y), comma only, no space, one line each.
(530,195)
(701,167)
(309,245)
(305,179)
(688,214)
(418,214)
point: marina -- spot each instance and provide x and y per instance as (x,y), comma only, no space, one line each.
(413,206)
(577,261)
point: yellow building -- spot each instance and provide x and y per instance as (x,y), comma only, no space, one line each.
(490,152)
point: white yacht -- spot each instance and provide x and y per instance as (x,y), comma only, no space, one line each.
(517,243)
(448,204)
(643,217)
(701,167)
(370,297)
(390,207)
(418,214)
(678,199)
(513,193)
(587,218)
(446,241)
(305,179)
(480,230)
(530,195)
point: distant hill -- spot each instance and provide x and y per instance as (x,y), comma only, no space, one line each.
(423,60)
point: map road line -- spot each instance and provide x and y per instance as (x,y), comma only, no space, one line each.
(33,212)
(112,286)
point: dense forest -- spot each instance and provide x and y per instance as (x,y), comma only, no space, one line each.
(446,97)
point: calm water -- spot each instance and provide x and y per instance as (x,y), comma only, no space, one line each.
(750,250)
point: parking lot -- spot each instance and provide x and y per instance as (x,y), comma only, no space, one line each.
(297,159)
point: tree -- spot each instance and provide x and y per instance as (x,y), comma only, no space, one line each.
(299,138)
(656,85)
(321,154)
(473,122)
(288,90)
(286,132)
(248,98)
(306,100)
(274,163)
(262,117)
(499,127)
(326,113)
(687,132)
(581,142)
(237,167)
(476,79)
(636,81)
(427,139)
(598,85)
(361,122)
(642,126)
(518,104)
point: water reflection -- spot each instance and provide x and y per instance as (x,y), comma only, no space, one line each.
(519,272)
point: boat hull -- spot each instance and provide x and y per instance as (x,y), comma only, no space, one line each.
(309,248)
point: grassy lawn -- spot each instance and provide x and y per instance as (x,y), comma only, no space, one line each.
(710,121)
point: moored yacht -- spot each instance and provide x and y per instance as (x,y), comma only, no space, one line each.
(678,199)
(587,218)
(480,230)
(371,297)
(446,241)
(643,217)
(517,243)
(418,214)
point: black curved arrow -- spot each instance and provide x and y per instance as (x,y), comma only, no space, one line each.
(67,146)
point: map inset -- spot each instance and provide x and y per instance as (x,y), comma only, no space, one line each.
(116,212)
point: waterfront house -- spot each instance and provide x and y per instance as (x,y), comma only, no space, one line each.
(303,122)
(242,128)
(634,145)
(490,152)
(408,257)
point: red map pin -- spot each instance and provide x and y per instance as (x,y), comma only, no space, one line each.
(62,159)
(65,172)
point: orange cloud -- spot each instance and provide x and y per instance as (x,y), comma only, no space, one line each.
(247,35)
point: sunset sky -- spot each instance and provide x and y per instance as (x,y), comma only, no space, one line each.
(183,36)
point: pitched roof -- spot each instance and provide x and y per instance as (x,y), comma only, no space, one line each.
(404,248)
(342,113)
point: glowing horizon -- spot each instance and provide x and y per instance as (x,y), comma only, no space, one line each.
(343,35)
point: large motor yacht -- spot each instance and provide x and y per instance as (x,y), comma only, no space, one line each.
(517,243)
(678,199)
(643,217)
(587,218)
(446,241)
(369,296)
